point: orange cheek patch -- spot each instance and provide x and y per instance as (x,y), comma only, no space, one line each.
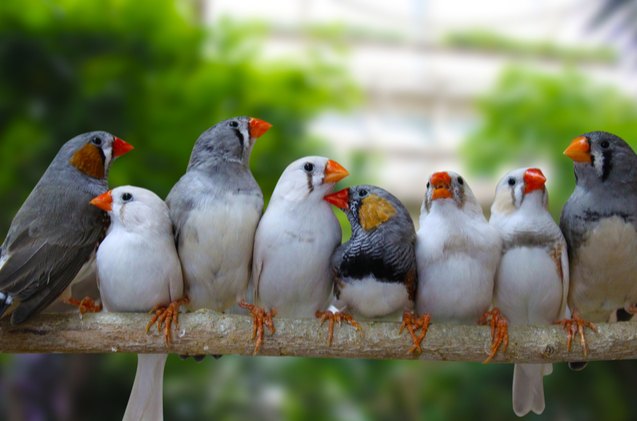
(89,160)
(375,211)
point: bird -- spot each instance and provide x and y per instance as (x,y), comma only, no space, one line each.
(599,222)
(532,279)
(138,270)
(215,208)
(56,231)
(457,253)
(294,242)
(375,270)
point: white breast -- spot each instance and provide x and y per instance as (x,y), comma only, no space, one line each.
(370,298)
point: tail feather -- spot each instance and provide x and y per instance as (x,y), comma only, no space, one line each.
(528,388)
(146,398)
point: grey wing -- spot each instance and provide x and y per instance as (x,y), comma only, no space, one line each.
(179,206)
(567,222)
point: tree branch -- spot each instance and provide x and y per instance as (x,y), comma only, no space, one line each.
(207,332)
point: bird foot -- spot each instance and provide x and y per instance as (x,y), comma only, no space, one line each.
(260,319)
(574,326)
(335,317)
(499,332)
(166,316)
(631,309)
(412,323)
(85,305)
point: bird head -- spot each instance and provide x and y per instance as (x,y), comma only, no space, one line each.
(599,156)
(230,140)
(311,176)
(92,153)
(449,188)
(520,187)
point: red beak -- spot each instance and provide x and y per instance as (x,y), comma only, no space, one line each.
(340,199)
(533,180)
(579,150)
(334,172)
(104,201)
(441,182)
(121,147)
(258,127)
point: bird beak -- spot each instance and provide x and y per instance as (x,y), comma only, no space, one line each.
(579,150)
(334,172)
(258,127)
(340,199)
(104,201)
(533,180)
(121,147)
(441,183)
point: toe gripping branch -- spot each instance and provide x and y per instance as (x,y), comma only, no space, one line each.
(412,323)
(165,316)
(576,326)
(85,305)
(499,332)
(261,319)
(333,318)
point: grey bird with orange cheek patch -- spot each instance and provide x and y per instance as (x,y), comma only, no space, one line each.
(56,231)
(532,279)
(599,222)
(375,271)
(215,208)
(457,253)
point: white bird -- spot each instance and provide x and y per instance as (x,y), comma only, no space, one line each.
(457,252)
(532,279)
(138,270)
(294,241)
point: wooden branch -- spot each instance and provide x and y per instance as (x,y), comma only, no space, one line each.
(207,332)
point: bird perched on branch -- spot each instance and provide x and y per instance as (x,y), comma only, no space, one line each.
(56,230)
(215,208)
(532,279)
(599,222)
(457,253)
(294,242)
(375,271)
(138,270)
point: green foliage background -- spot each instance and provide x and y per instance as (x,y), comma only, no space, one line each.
(150,72)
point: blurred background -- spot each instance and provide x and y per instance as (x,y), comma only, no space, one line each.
(392,90)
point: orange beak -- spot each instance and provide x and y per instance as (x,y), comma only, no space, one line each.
(340,199)
(533,180)
(258,127)
(441,183)
(334,172)
(104,201)
(579,150)
(121,147)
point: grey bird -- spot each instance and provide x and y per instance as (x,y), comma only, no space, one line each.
(375,271)
(295,239)
(56,230)
(599,222)
(532,279)
(215,208)
(138,270)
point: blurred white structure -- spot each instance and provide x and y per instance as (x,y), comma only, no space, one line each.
(419,93)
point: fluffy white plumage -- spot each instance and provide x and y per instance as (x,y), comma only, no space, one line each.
(532,278)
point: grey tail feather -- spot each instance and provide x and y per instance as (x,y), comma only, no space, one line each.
(5,303)
(36,302)
(578,366)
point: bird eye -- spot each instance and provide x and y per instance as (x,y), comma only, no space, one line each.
(127,197)
(460,181)
(604,144)
(428,184)
(362,193)
(234,124)
(511,181)
(97,141)
(309,167)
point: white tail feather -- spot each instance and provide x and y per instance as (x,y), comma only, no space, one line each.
(146,398)
(528,388)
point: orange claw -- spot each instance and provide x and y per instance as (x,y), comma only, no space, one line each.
(260,318)
(165,316)
(85,305)
(574,326)
(336,317)
(413,323)
(499,332)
